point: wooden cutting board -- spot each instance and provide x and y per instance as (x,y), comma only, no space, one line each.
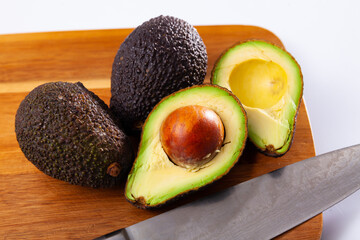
(36,206)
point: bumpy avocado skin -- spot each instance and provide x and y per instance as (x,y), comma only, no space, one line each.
(67,132)
(159,57)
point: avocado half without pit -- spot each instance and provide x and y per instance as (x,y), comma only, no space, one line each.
(268,82)
(190,139)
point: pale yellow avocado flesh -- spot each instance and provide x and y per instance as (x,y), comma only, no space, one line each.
(268,82)
(154,179)
(258,83)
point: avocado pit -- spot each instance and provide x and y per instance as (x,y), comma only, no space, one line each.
(192,135)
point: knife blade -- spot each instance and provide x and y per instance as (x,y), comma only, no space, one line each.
(262,207)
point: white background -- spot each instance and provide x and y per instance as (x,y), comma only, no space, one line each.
(324,37)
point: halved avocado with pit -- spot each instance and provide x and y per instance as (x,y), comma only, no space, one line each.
(155,178)
(268,82)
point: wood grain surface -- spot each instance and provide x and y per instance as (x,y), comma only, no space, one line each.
(36,206)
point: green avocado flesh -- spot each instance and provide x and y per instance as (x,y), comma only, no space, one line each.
(68,133)
(154,179)
(268,82)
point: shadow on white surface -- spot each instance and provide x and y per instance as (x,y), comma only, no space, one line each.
(342,222)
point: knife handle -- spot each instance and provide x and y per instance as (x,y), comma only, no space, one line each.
(120,234)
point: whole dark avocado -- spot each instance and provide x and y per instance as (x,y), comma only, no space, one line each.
(68,132)
(161,56)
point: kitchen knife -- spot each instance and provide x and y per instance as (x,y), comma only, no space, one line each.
(260,208)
